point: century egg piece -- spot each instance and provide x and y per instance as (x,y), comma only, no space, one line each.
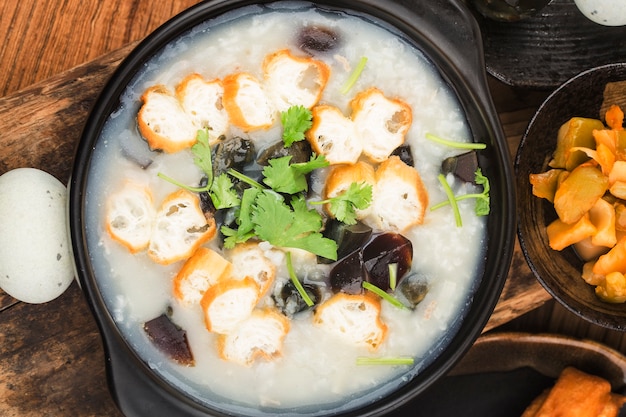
(412,289)
(234,152)
(349,237)
(290,302)
(385,250)
(314,39)
(463,166)
(299,151)
(348,274)
(169,339)
(404,153)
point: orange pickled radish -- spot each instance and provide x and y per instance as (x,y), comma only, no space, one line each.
(579,192)
(612,261)
(562,235)
(614,117)
(602,216)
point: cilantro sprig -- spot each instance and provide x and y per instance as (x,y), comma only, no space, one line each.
(296,282)
(284,177)
(343,206)
(453,144)
(383,294)
(220,189)
(269,217)
(354,76)
(296,120)
(482,206)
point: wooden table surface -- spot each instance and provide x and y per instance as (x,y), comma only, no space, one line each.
(55,58)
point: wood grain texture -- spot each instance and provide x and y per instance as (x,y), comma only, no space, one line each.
(44,38)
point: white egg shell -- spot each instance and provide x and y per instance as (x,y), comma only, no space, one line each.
(35,261)
(604,12)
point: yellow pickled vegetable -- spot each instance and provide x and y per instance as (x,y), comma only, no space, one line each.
(587,187)
(613,260)
(615,117)
(613,290)
(579,192)
(546,183)
(602,216)
(588,275)
(577,132)
(562,235)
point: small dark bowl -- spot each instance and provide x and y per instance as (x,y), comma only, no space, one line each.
(449,36)
(560,271)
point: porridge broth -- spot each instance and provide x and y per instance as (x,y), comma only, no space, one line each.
(314,373)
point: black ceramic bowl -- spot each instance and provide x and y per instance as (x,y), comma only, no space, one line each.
(448,36)
(560,271)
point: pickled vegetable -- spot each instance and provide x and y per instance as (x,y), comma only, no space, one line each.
(613,290)
(577,132)
(546,183)
(579,192)
(562,235)
(587,186)
(602,216)
(613,261)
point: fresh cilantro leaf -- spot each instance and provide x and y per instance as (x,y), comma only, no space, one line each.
(223,194)
(482,202)
(296,120)
(482,199)
(245,230)
(220,189)
(276,223)
(202,154)
(284,177)
(202,159)
(343,206)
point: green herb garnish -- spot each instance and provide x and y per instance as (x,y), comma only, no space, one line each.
(390,361)
(393,276)
(383,294)
(220,189)
(266,215)
(296,282)
(284,177)
(451,200)
(296,120)
(295,227)
(453,144)
(354,76)
(343,206)
(245,229)
(482,199)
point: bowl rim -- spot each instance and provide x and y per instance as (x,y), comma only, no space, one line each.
(527,234)
(467,64)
